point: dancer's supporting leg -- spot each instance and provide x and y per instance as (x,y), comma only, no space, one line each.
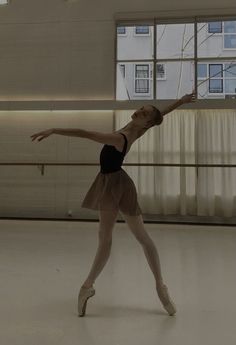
(136,225)
(107,221)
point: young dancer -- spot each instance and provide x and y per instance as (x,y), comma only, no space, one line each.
(113,191)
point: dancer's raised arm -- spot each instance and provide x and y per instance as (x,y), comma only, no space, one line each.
(188,98)
(103,138)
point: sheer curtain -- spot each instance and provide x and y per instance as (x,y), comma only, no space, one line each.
(188,137)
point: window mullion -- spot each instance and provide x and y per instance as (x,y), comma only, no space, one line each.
(154,75)
(195,58)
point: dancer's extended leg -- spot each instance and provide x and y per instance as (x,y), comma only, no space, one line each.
(107,221)
(136,225)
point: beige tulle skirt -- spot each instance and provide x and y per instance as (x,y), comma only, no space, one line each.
(113,191)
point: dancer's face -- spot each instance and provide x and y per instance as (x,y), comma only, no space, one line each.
(143,115)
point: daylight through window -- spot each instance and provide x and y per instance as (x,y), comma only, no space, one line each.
(180,67)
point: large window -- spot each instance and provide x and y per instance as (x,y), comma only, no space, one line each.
(171,48)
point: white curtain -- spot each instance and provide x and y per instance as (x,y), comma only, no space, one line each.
(188,137)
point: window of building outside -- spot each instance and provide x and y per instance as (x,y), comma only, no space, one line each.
(122,69)
(230,35)
(175,57)
(216,78)
(121,30)
(161,73)
(222,78)
(229,32)
(142,30)
(215,27)
(230,79)
(142,79)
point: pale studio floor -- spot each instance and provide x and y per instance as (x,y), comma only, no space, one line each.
(43,263)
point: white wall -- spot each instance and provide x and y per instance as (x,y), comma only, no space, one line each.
(56,61)
(24,192)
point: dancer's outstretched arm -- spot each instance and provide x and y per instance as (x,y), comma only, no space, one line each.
(188,98)
(103,138)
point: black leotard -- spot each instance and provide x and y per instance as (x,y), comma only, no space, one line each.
(111,159)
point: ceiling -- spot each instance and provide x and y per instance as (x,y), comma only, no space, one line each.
(69,10)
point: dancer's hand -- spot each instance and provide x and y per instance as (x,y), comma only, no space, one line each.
(188,98)
(42,135)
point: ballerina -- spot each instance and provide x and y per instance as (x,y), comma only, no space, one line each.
(113,190)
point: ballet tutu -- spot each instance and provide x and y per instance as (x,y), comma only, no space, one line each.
(113,191)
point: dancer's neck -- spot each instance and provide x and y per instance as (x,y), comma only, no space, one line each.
(134,130)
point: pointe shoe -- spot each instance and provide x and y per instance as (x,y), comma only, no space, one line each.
(170,306)
(84,295)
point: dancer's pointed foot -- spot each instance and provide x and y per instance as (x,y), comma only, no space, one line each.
(165,299)
(84,294)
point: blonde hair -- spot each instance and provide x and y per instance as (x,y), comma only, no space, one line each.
(157,118)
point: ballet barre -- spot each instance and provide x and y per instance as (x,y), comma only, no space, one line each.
(42,165)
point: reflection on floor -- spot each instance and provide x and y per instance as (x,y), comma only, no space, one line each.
(43,264)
